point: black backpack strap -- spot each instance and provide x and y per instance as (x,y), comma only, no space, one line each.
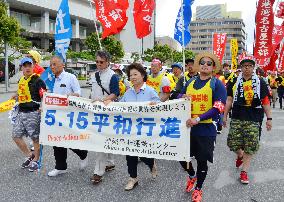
(98,79)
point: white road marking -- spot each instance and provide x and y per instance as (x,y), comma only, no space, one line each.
(274,143)
(223,180)
(278,128)
(268,175)
(263,176)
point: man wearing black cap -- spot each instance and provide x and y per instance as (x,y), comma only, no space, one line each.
(248,96)
(27,122)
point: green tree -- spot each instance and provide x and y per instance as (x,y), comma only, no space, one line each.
(135,56)
(163,52)
(178,57)
(9,32)
(110,44)
(85,55)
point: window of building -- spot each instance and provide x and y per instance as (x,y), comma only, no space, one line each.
(35,24)
(22,18)
(52,26)
(82,32)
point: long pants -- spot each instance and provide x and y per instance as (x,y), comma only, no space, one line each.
(201,173)
(132,162)
(280,95)
(102,160)
(60,154)
(274,96)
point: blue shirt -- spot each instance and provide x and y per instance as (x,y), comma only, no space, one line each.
(219,94)
(145,94)
(66,84)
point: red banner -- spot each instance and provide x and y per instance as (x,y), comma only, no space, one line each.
(264,28)
(112,15)
(219,45)
(281,60)
(142,13)
(262,62)
(272,61)
(278,35)
(280,11)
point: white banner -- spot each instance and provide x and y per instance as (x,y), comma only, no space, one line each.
(132,128)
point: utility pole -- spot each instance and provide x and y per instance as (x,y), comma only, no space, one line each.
(6,60)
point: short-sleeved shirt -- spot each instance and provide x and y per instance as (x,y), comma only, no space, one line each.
(66,84)
(36,85)
(247,113)
(110,82)
(219,94)
(145,94)
(164,82)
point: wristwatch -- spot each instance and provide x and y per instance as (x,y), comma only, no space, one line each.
(269,119)
(197,119)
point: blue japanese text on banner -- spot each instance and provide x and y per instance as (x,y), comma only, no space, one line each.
(154,131)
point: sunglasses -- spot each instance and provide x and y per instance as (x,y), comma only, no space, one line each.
(100,61)
(208,63)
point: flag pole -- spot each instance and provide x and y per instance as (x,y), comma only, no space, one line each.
(95,21)
(183,47)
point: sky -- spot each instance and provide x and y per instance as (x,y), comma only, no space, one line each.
(166,13)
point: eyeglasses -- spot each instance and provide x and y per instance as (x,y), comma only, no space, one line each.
(248,66)
(208,63)
(100,61)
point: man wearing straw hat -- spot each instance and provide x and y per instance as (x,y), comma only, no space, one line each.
(248,96)
(208,97)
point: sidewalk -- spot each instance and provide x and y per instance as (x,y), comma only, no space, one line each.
(11,89)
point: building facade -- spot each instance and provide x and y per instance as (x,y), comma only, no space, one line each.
(166,40)
(203,27)
(38,18)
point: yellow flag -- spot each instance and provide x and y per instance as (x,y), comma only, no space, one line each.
(234,53)
(7,105)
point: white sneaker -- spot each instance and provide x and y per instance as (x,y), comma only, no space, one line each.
(56,172)
(131,184)
(83,163)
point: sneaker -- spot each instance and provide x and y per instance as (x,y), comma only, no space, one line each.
(244,177)
(109,168)
(239,162)
(196,195)
(190,184)
(56,172)
(28,161)
(83,163)
(131,184)
(33,166)
(96,179)
(154,170)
